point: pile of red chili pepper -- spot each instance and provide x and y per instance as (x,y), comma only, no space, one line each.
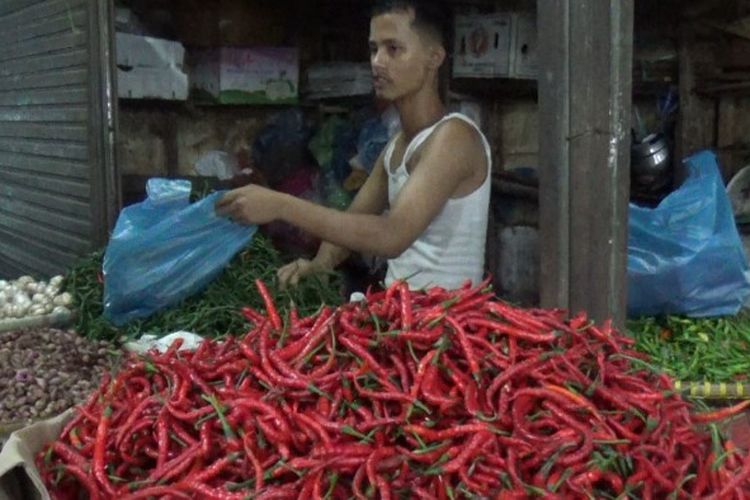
(432,394)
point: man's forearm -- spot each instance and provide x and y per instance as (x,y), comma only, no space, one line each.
(330,256)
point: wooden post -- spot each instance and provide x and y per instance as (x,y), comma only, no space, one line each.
(586,49)
(696,127)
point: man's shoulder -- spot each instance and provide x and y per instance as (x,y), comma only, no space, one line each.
(459,126)
(459,134)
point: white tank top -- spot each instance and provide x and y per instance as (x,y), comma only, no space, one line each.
(451,249)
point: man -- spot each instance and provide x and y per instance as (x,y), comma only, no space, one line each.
(425,204)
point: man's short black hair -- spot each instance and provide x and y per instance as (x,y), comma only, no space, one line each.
(429,16)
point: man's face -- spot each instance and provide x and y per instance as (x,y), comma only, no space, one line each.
(399,56)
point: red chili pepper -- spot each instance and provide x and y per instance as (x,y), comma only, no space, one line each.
(205,441)
(162,437)
(587,446)
(144,384)
(252,315)
(70,455)
(468,452)
(425,457)
(472,302)
(471,399)
(407,320)
(383,488)
(297,350)
(207,474)
(418,337)
(359,477)
(156,491)
(99,450)
(176,427)
(363,354)
(180,464)
(512,331)
(188,454)
(740,479)
(84,479)
(257,467)
(656,474)
(170,352)
(724,413)
(421,369)
(508,375)
(701,481)
(191,416)
(269,370)
(498,359)
(432,396)
(615,482)
(374,459)
(465,346)
(478,482)
(249,353)
(310,422)
(576,398)
(732,452)
(74,439)
(402,371)
(391,395)
(78,418)
(273,314)
(208,493)
(517,317)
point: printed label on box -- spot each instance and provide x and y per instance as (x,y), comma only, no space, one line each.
(483,45)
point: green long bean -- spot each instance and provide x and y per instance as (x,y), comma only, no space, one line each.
(696,350)
(213,312)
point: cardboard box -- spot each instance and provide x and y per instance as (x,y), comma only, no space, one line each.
(483,46)
(247,75)
(169,83)
(338,79)
(497,45)
(524,49)
(144,51)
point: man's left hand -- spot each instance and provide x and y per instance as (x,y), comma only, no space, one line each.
(251,205)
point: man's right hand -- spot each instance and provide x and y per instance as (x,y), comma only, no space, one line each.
(291,273)
(372,198)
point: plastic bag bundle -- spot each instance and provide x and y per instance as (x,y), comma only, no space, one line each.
(685,255)
(166,249)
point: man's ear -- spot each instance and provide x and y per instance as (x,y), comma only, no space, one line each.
(437,56)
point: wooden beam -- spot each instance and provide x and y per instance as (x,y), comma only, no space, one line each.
(585,102)
(105,177)
(553,18)
(696,126)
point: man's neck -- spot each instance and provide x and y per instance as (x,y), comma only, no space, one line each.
(419,111)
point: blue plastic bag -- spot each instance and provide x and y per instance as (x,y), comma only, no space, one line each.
(165,249)
(685,256)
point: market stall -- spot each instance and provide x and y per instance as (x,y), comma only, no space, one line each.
(170,363)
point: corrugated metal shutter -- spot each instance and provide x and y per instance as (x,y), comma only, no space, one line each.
(54,201)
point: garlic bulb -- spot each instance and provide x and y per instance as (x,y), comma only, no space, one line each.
(28,297)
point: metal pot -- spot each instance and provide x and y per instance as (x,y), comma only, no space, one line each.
(649,162)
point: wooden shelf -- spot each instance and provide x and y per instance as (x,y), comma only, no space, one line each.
(651,89)
(494,87)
